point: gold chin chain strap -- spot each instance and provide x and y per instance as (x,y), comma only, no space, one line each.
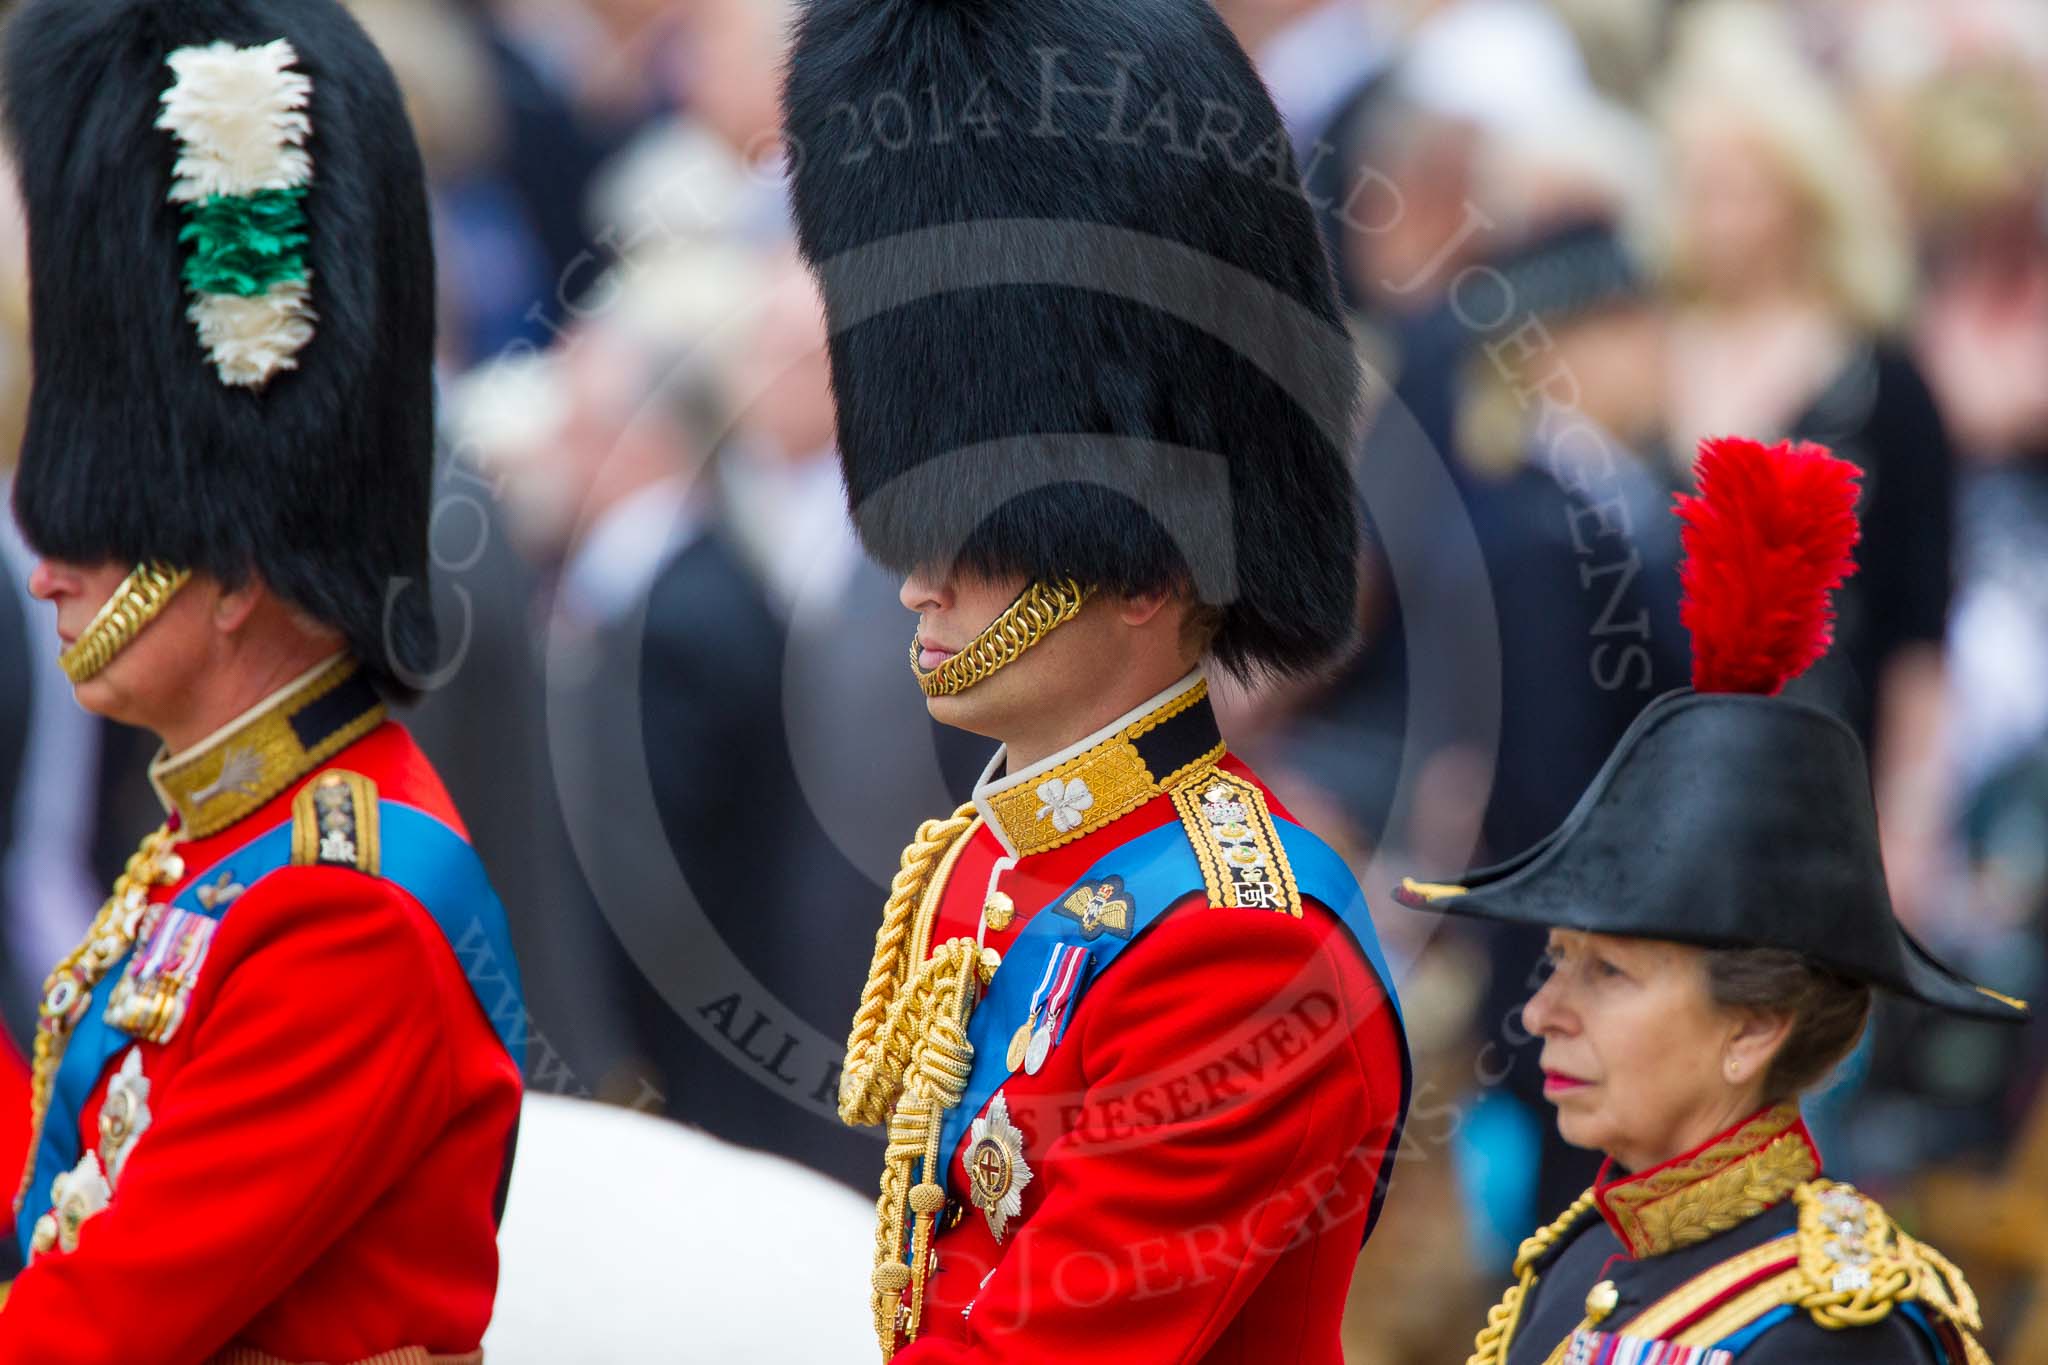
(69,988)
(907,1062)
(1491,1346)
(1038,611)
(142,595)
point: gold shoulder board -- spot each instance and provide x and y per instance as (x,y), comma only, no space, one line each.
(1231,828)
(334,822)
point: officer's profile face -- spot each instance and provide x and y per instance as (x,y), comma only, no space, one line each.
(1640,1061)
(158,664)
(953,607)
(1072,682)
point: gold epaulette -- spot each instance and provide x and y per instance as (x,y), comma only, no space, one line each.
(335,823)
(1856,1265)
(1231,827)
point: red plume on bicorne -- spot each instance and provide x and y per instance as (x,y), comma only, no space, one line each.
(1767,541)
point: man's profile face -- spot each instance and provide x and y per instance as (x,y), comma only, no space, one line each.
(952,609)
(78,591)
(1063,673)
(159,658)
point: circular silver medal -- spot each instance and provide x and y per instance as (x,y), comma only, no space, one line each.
(1041,1044)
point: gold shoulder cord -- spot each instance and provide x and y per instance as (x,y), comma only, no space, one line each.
(69,988)
(907,1062)
(1491,1345)
(1856,1265)
(1038,611)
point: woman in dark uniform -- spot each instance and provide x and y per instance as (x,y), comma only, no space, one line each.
(1718,920)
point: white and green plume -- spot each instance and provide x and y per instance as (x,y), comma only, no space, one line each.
(239,114)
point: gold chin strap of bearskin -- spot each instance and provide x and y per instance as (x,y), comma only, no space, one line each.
(1038,611)
(142,595)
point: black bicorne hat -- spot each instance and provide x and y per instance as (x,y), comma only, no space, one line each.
(234,378)
(1734,817)
(1083,325)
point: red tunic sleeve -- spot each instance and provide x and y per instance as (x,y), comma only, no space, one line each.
(314,1077)
(1243,1080)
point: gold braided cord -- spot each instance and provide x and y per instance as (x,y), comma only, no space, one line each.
(1490,1347)
(1855,1266)
(868,1084)
(907,1060)
(142,595)
(1038,611)
(69,988)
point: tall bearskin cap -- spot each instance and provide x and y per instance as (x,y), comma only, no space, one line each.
(302,454)
(1082,323)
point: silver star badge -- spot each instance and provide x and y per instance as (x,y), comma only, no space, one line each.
(996,1170)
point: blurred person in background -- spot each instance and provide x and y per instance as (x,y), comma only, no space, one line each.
(605,56)
(844,792)
(497,286)
(1547,394)
(1969,127)
(576,80)
(698,638)
(717,163)
(1417,220)
(1791,279)
(1793,284)
(598,449)
(1959,94)
(780,485)
(1315,56)
(1561,416)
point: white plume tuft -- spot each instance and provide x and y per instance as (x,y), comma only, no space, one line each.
(240,117)
(252,339)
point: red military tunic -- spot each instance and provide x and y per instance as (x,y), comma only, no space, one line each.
(1206,1140)
(328,1129)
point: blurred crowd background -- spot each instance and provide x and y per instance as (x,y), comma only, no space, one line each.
(1575,236)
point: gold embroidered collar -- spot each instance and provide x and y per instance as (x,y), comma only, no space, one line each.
(235,771)
(1725,1182)
(1167,741)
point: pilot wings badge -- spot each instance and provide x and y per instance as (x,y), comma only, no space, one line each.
(1100,906)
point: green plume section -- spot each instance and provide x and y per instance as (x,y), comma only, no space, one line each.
(244,244)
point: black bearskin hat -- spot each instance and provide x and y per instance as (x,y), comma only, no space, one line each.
(1083,325)
(312,471)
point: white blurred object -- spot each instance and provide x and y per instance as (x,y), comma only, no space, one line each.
(1494,63)
(679,182)
(505,419)
(630,1239)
